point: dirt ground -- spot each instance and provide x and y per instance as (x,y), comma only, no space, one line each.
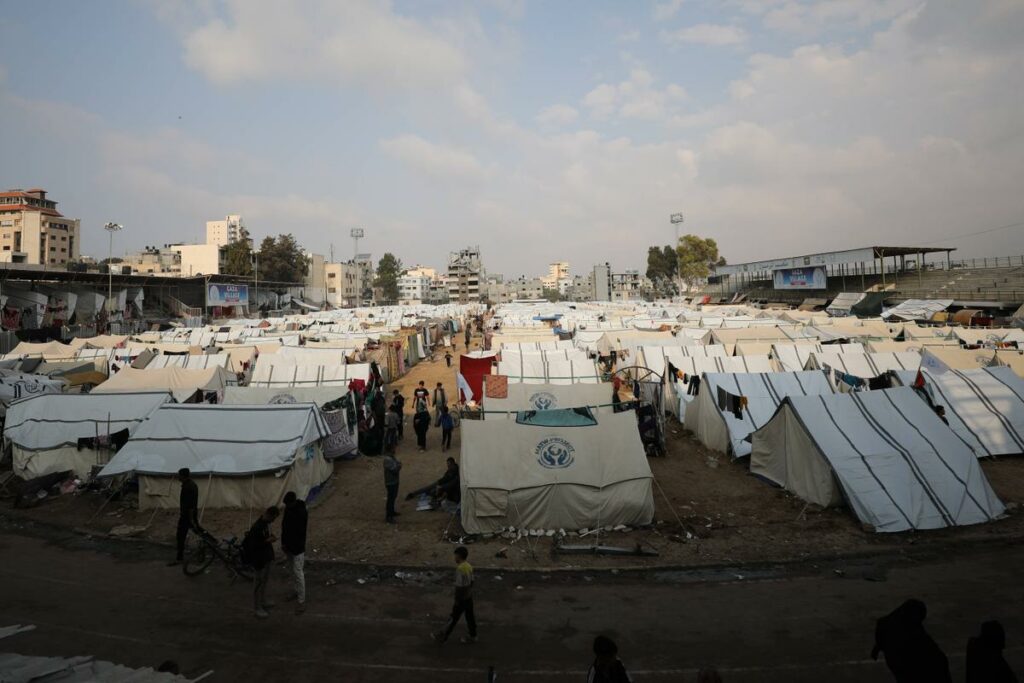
(727,515)
(118,601)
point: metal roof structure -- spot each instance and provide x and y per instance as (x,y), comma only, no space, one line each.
(828,258)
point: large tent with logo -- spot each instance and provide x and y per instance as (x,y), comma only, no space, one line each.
(726,430)
(544,475)
(240,456)
(886,453)
(59,432)
(181,382)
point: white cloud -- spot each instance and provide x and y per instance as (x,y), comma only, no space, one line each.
(666,10)
(431,158)
(707,34)
(557,115)
(634,98)
(812,16)
(359,42)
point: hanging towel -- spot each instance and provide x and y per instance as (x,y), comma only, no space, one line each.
(496,386)
(463,385)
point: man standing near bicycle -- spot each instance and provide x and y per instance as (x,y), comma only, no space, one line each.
(188,513)
(258,552)
(293,543)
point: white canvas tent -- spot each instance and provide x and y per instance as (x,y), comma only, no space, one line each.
(553,372)
(240,456)
(538,477)
(289,375)
(721,430)
(180,382)
(844,301)
(44,430)
(984,407)
(794,357)
(17,385)
(551,397)
(190,362)
(917,309)
(864,365)
(895,463)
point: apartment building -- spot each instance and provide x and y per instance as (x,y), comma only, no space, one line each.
(33,231)
(224,232)
(465,273)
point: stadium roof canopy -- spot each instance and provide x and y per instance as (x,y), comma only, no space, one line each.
(828,258)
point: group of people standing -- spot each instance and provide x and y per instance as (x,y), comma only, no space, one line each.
(258,543)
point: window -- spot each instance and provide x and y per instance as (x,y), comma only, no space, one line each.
(7,247)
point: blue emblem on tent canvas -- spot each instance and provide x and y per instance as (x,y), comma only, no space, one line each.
(542,400)
(555,453)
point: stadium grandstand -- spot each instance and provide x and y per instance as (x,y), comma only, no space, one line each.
(994,284)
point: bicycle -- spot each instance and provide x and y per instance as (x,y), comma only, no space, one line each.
(228,551)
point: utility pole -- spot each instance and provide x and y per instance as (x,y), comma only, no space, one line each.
(357,234)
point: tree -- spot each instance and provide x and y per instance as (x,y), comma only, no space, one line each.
(238,255)
(697,255)
(552,295)
(661,269)
(389,269)
(281,259)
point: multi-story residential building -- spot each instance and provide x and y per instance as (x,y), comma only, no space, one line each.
(364,264)
(342,281)
(222,233)
(201,259)
(558,273)
(155,260)
(33,231)
(412,288)
(579,288)
(437,292)
(601,283)
(465,273)
(627,286)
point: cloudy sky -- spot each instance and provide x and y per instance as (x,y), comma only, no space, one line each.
(538,130)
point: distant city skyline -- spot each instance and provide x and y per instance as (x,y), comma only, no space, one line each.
(538,131)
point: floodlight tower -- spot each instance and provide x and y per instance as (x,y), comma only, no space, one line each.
(677,219)
(111,228)
(357,234)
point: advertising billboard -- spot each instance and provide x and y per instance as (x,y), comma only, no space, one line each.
(800,278)
(227,295)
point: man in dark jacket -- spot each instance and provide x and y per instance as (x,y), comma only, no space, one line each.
(188,512)
(293,543)
(258,547)
(910,653)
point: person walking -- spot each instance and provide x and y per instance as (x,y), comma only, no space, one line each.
(391,421)
(392,466)
(463,599)
(448,358)
(293,543)
(447,425)
(985,661)
(607,667)
(421,423)
(421,392)
(258,550)
(440,401)
(468,333)
(910,653)
(188,513)
(398,402)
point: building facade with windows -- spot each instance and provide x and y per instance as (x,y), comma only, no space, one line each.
(224,232)
(33,231)
(465,275)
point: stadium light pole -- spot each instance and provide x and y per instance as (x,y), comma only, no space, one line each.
(111,228)
(677,219)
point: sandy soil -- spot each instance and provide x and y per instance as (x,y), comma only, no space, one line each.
(709,511)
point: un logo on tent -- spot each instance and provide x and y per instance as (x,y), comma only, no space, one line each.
(281,399)
(555,453)
(542,400)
